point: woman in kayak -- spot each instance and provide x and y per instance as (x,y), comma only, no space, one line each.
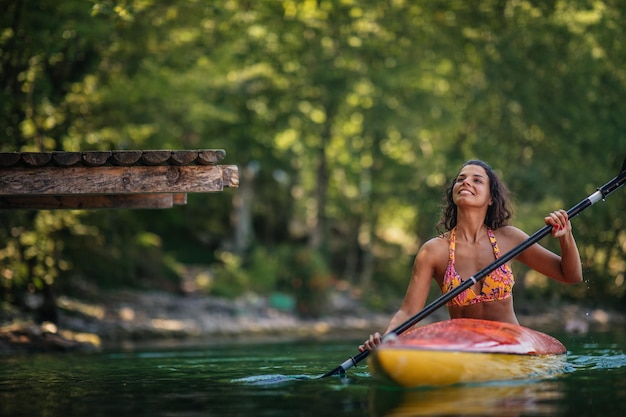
(476,232)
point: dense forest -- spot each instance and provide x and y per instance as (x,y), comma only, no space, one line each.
(346,118)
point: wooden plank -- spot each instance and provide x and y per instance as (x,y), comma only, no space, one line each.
(210,156)
(155,157)
(96,158)
(183,157)
(117,180)
(128,201)
(231,176)
(36,159)
(126,158)
(180,199)
(66,159)
(8,159)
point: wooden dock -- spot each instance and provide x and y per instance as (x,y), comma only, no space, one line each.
(111,179)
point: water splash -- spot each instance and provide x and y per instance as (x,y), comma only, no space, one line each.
(271,379)
(608,360)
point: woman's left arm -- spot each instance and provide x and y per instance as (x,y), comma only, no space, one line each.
(571,267)
(566,268)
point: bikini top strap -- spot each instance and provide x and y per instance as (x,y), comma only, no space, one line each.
(494,244)
(452,246)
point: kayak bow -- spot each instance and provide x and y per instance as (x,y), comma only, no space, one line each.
(464,351)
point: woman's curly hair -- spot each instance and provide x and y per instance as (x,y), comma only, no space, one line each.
(498,213)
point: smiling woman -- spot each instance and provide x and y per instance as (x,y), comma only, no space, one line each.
(476,233)
(557,230)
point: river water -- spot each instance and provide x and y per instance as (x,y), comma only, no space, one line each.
(237,379)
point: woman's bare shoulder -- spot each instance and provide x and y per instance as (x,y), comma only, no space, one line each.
(433,256)
(510,232)
(509,236)
(436,245)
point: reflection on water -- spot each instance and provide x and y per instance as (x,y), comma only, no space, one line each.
(493,399)
(282,379)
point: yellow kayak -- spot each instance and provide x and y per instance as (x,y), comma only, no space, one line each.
(464,351)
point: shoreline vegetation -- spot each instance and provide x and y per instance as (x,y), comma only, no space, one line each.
(138,319)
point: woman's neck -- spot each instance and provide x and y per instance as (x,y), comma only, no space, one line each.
(470,226)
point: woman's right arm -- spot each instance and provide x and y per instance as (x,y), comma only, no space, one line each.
(416,294)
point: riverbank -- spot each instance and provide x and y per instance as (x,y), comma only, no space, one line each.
(133,319)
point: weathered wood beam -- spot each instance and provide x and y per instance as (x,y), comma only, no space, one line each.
(115,157)
(180,199)
(66,159)
(124,201)
(103,180)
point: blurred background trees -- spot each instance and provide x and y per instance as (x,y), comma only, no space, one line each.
(346,118)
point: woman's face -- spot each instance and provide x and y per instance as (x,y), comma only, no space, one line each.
(471,187)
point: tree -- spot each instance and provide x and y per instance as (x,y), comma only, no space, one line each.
(349,116)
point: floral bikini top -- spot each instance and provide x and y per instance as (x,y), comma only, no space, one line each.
(498,285)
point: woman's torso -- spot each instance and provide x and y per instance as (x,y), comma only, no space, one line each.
(469,258)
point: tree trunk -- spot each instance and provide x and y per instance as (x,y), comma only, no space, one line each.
(318,232)
(242,204)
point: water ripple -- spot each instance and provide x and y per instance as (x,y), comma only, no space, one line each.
(606,360)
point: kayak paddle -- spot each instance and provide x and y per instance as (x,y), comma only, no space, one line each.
(600,194)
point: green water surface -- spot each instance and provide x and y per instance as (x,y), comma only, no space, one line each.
(237,379)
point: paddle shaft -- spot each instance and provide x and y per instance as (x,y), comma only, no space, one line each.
(600,194)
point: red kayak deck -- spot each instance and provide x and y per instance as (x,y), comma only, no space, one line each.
(472,335)
(466,350)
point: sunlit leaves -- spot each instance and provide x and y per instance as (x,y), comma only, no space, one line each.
(366,107)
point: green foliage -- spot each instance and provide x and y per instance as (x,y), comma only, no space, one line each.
(296,271)
(119,253)
(32,253)
(230,279)
(45,48)
(355,115)
(305,274)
